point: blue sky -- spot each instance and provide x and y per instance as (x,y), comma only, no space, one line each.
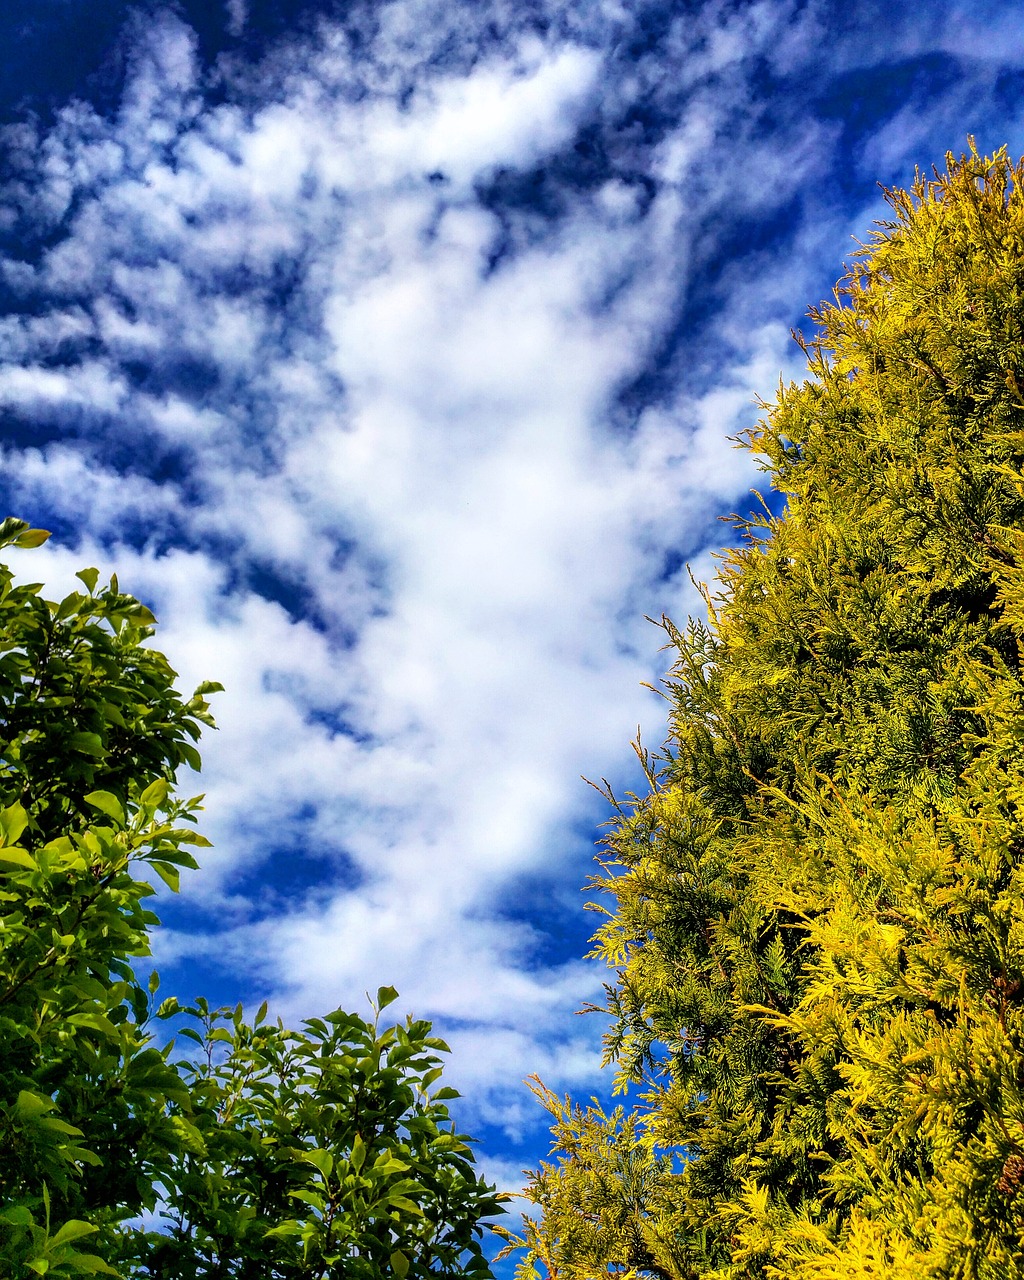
(391,352)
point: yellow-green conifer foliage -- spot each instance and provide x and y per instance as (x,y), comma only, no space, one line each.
(816,916)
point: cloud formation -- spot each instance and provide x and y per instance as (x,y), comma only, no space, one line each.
(397,371)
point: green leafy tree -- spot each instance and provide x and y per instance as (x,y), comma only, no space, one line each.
(321,1153)
(299,1155)
(816,915)
(91,733)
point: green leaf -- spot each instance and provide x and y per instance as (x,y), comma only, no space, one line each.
(208,686)
(13,821)
(167,873)
(87,744)
(403,1202)
(108,804)
(10,528)
(385,996)
(399,1264)
(58,1126)
(19,858)
(95,1022)
(321,1160)
(89,1264)
(74,1229)
(29,1105)
(313,1198)
(31,538)
(69,606)
(197,839)
(155,795)
(88,577)
(190,1137)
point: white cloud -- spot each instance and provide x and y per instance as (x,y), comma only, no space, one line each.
(238,14)
(399,401)
(506,112)
(32,389)
(499,542)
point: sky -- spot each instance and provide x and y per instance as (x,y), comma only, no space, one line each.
(392,353)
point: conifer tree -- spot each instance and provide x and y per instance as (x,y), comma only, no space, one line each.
(816,916)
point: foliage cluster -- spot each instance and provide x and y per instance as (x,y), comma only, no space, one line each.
(816,916)
(273,1153)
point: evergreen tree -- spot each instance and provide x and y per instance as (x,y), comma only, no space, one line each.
(817,914)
